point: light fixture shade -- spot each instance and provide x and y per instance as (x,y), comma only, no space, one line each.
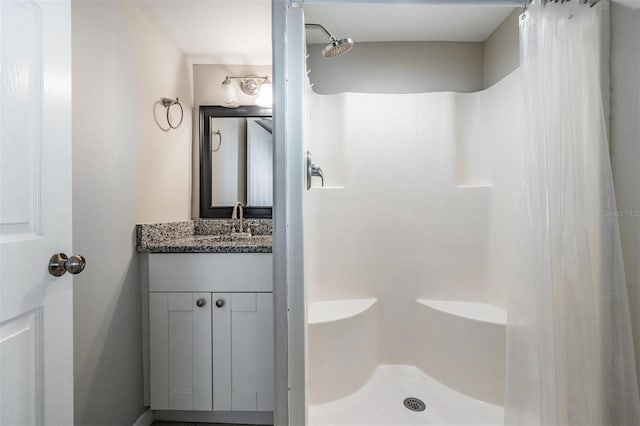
(229,96)
(265,95)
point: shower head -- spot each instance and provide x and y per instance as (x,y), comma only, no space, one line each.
(336,47)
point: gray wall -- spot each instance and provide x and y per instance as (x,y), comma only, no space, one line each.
(410,67)
(502,50)
(125,171)
(398,67)
(625,145)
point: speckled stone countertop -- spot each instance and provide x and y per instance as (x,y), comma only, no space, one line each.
(203,236)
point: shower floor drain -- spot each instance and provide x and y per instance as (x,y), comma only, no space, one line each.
(414,404)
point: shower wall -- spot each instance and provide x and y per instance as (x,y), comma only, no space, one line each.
(419,66)
(399,67)
(502,49)
(625,145)
(419,201)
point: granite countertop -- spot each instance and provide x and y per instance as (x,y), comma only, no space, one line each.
(203,236)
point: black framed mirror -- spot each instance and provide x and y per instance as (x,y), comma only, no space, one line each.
(236,161)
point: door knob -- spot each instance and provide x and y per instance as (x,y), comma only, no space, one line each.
(220,303)
(201,302)
(60,263)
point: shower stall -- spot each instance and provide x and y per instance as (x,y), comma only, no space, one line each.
(409,250)
(395,268)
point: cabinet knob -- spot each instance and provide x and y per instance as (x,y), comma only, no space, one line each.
(220,303)
(200,303)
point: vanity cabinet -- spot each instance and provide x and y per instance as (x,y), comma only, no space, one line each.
(211,332)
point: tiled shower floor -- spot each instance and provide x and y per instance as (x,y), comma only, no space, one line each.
(380,403)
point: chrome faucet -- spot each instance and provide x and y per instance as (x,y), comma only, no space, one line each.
(238,206)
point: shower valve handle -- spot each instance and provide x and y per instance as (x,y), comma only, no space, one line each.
(317,171)
(313,170)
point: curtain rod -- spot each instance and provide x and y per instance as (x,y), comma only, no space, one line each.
(544,2)
(514,3)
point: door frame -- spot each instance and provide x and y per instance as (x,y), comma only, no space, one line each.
(288,240)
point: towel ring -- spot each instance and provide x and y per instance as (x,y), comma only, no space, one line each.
(219,134)
(168,103)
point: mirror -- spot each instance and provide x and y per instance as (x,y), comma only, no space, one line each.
(236,161)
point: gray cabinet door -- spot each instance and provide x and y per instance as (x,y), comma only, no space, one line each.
(243,351)
(180,351)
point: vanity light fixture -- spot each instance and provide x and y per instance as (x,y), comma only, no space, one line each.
(251,85)
(229,96)
(265,95)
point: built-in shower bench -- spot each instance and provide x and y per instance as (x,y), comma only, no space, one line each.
(462,345)
(343,347)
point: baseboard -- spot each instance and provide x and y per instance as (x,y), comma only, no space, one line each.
(227,417)
(145,419)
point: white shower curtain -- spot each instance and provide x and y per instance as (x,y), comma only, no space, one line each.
(570,357)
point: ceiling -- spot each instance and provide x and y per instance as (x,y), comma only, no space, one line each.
(216,31)
(405,22)
(239,31)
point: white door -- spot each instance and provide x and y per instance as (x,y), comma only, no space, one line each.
(36,330)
